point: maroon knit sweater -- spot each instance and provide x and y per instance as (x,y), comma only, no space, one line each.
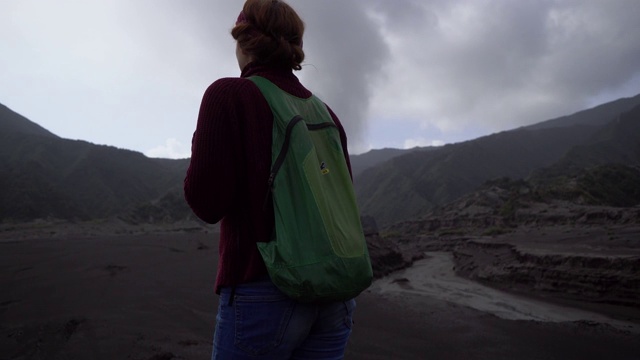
(230,165)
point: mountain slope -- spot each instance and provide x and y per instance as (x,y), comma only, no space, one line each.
(14,123)
(605,194)
(618,142)
(43,176)
(362,162)
(598,116)
(412,184)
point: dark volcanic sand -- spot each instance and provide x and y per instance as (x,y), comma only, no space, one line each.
(151,297)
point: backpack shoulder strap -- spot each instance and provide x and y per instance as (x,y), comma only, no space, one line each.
(286,111)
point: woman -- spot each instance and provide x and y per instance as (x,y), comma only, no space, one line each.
(227,181)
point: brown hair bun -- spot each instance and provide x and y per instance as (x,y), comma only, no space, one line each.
(271,32)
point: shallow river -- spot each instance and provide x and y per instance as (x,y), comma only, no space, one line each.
(434,277)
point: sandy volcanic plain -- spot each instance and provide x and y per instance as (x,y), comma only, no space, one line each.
(148,295)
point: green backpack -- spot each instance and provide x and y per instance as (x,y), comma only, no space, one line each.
(318,251)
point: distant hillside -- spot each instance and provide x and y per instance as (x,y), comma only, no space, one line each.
(410,185)
(361,162)
(44,176)
(14,123)
(604,194)
(598,116)
(617,142)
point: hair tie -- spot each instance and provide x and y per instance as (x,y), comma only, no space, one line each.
(242,19)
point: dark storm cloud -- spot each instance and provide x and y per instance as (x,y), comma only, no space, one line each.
(344,50)
(345,54)
(407,69)
(600,43)
(506,63)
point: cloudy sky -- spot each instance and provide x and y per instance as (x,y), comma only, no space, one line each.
(399,73)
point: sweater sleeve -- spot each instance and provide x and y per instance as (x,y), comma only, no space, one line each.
(210,182)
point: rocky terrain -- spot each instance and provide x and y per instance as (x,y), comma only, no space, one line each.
(386,256)
(514,236)
(563,263)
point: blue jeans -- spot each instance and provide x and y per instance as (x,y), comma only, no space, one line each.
(263,323)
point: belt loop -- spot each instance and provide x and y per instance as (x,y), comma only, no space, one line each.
(232,295)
